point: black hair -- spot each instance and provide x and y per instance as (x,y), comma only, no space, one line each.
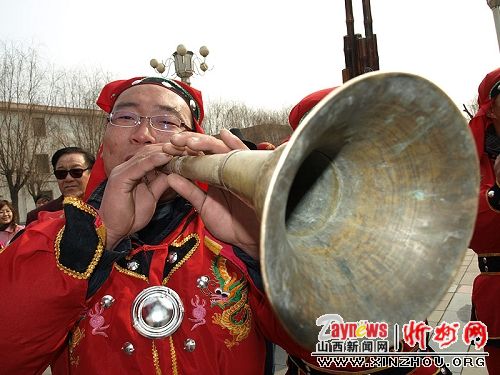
(40,196)
(89,158)
(495,90)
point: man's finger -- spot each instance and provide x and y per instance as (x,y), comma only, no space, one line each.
(188,190)
(232,141)
(159,185)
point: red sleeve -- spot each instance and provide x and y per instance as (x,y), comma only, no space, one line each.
(41,290)
(486,237)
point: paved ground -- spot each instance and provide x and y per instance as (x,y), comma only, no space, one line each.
(454,307)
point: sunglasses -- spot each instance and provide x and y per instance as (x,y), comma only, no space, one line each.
(75,173)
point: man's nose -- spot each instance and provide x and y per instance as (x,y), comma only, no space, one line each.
(143,132)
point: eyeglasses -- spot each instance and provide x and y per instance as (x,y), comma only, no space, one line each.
(163,123)
(74,172)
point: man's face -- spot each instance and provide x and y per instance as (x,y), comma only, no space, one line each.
(41,201)
(120,144)
(71,186)
(494,112)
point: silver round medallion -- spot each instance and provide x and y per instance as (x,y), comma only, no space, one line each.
(157,312)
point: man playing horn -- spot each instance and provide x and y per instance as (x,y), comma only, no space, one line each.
(152,273)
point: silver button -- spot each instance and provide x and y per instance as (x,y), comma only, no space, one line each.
(485,268)
(202,282)
(491,194)
(107,301)
(189,345)
(172,257)
(485,260)
(133,265)
(128,348)
(192,105)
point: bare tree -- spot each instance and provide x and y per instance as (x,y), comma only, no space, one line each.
(227,115)
(37,182)
(26,90)
(471,108)
(85,121)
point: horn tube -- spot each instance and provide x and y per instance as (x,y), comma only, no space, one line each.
(367,211)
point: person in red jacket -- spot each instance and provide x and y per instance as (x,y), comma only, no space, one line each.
(485,127)
(152,273)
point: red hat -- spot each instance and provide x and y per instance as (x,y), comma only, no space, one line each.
(488,89)
(303,107)
(112,90)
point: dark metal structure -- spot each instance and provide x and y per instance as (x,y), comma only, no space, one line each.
(361,54)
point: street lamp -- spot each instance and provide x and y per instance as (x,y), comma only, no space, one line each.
(495,8)
(186,63)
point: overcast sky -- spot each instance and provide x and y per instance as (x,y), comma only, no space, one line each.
(265,53)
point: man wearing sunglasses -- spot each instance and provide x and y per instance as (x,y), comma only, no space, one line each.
(72,167)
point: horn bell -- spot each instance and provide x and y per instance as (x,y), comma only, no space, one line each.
(371,208)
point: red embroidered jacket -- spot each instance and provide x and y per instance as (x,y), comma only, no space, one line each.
(224,318)
(69,303)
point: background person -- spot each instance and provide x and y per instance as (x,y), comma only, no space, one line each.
(41,199)
(71,167)
(9,219)
(485,127)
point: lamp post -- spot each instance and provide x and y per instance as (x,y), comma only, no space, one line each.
(495,8)
(186,63)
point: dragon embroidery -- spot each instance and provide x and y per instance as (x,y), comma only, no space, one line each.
(231,296)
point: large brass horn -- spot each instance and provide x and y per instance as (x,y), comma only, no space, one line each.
(367,211)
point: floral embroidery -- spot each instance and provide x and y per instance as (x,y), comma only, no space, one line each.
(97,320)
(199,312)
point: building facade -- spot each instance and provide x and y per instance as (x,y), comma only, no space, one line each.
(29,135)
